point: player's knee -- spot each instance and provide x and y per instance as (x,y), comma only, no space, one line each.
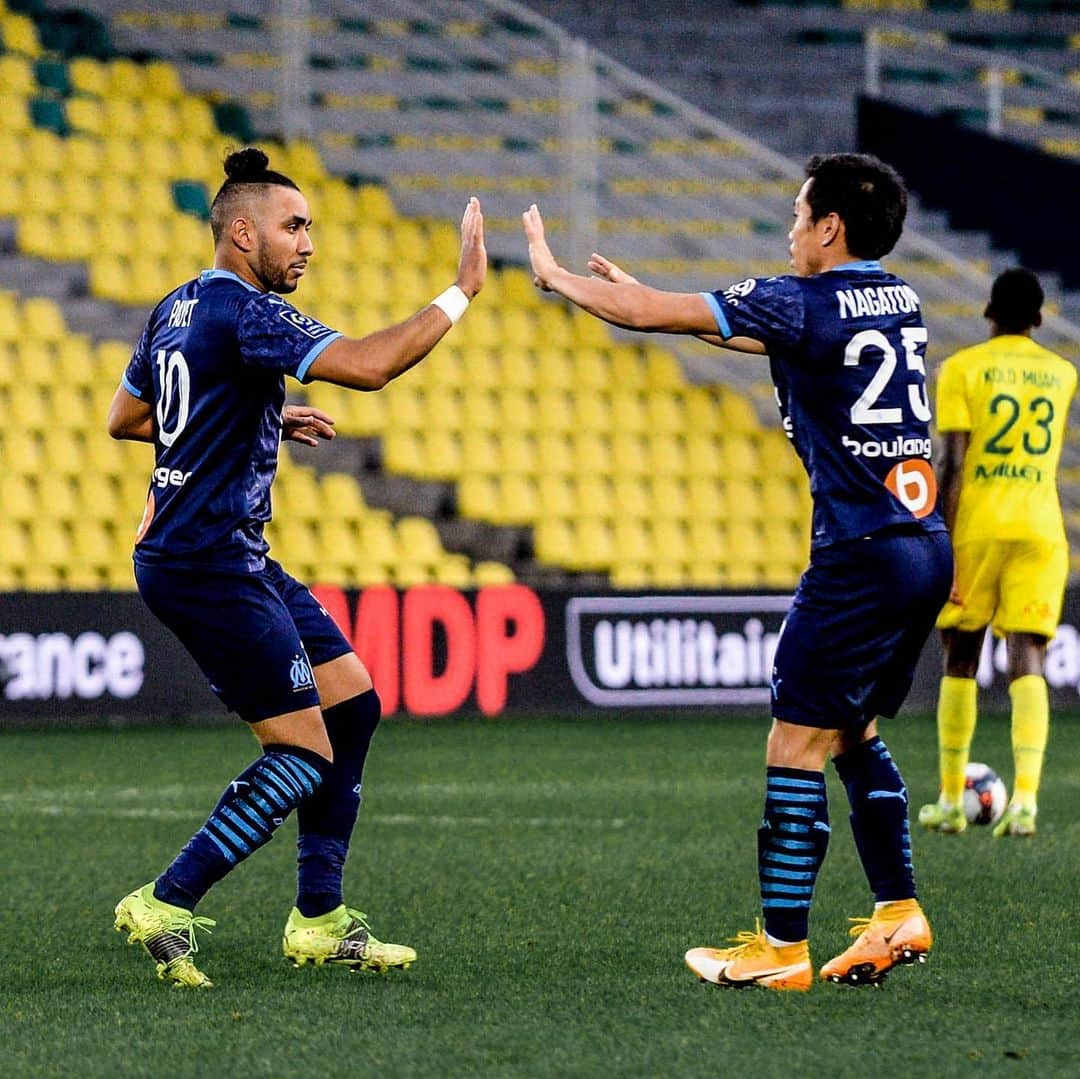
(792,745)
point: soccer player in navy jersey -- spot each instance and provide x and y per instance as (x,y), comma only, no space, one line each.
(206,386)
(846,345)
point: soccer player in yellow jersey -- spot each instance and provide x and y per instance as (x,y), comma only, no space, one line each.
(1002,408)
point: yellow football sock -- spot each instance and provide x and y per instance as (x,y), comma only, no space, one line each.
(1030,728)
(956,716)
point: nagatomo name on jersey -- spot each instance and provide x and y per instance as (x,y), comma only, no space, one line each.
(212,362)
(847,357)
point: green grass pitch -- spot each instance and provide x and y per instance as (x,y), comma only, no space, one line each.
(551,873)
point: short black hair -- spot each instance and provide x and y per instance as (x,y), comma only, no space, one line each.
(868,196)
(243,169)
(1016,300)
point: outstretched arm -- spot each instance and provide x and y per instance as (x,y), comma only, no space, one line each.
(607,270)
(623,300)
(369,363)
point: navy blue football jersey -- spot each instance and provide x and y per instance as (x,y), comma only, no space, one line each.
(846,352)
(212,361)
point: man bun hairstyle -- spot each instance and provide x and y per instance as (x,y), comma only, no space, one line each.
(868,195)
(245,170)
(1016,300)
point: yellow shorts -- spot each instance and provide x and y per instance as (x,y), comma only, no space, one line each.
(1015,586)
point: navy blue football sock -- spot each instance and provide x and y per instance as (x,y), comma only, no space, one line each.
(326,821)
(792,841)
(251,809)
(879,818)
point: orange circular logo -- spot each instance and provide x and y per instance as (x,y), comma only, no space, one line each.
(914,484)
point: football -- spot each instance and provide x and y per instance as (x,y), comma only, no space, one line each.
(985,795)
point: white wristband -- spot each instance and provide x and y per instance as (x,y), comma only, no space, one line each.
(452,303)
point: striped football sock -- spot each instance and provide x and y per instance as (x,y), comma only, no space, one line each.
(252,808)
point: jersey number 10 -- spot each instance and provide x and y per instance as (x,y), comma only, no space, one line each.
(174,380)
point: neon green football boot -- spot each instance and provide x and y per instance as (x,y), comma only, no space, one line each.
(343,937)
(942,817)
(1016,820)
(166,932)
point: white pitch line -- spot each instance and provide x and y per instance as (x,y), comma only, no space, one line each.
(411,819)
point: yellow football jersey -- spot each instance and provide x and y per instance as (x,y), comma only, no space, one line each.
(1013,396)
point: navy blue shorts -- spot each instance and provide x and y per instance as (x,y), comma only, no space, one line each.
(256,636)
(858,622)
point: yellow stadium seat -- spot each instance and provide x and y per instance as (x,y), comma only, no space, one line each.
(555,411)
(633,541)
(670,498)
(702,411)
(480,410)
(554,368)
(592,411)
(402,451)
(56,497)
(17,494)
(703,456)
(127,79)
(492,573)
(480,451)
(631,575)
(162,80)
(87,114)
(518,411)
(17,75)
(629,454)
(706,498)
(517,453)
(665,413)
(478,496)
(592,453)
(88,76)
(664,372)
(594,497)
(737,413)
(14,545)
(44,195)
(50,543)
(555,541)
(669,541)
(517,500)
(297,496)
(592,369)
(19,34)
(594,545)
(12,195)
(631,496)
(28,403)
(667,455)
(16,113)
(706,539)
(556,495)
(627,369)
(628,412)
(96,496)
(743,496)
(341,497)
(441,454)
(740,456)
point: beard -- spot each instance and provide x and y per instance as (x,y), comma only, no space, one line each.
(273,276)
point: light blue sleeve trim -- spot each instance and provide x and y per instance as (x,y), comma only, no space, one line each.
(313,355)
(861,266)
(129,386)
(718,312)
